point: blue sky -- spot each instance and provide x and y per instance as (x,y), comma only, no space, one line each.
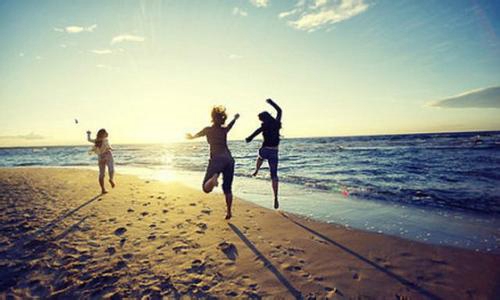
(149,71)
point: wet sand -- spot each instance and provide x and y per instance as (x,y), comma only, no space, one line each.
(60,238)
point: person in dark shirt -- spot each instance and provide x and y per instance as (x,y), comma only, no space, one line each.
(221,160)
(270,129)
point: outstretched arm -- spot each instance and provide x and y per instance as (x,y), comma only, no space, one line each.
(231,124)
(88,137)
(203,132)
(278,109)
(253,135)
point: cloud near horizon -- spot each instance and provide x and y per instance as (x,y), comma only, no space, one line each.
(30,136)
(76,29)
(480,98)
(311,15)
(127,38)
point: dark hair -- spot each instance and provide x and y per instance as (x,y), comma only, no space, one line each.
(101,134)
(268,120)
(219,115)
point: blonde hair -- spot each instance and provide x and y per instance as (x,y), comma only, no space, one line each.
(219,115)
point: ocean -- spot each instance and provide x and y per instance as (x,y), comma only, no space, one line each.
(442,188)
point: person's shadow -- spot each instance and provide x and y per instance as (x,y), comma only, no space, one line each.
(398,278)
(34,245)
(287,284)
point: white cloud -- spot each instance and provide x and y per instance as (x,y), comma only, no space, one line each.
(260,3)
(101,51)
(480,98)
(76,29)
(127,38)
(30,136)
(235,56)
(239,12)
(310,15)
(21,54)
(288,13)
(106,67)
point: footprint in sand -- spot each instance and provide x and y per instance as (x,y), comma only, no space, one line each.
(202,226)
(206,211)
(229,249)
(120,231)
(120,265)
(192,204)
(130,210)
(165,211)
(144,213)
(293,268)
(111,250)
(122,242)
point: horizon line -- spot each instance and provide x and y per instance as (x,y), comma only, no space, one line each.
(285,138)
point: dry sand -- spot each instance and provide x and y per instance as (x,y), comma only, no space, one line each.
(59,238)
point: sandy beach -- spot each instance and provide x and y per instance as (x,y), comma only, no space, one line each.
(61,238)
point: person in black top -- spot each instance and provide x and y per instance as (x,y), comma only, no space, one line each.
(270,129)
(221,160)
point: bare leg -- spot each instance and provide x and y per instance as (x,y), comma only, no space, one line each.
(209,185)
(258,164)
(229,202)
(102,170)
(111,171)
(275,190)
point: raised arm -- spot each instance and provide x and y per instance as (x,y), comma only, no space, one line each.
(88,137)
(231,124)
(278,109)
(202,132)
(253,135)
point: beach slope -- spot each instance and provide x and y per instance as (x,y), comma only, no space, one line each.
(60,237)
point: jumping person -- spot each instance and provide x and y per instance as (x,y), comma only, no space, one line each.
(221,160)
(270,129)
(104,157)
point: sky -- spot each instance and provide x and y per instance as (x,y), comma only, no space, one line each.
(150,71)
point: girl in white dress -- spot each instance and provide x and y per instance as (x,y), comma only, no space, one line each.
(104,155)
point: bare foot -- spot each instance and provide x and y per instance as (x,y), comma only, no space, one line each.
(215,179)
(104,192)
(276,204)
(112,183)
(228,216)
(255,173)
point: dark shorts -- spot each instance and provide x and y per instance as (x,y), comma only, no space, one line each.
(271,155)
(224,165)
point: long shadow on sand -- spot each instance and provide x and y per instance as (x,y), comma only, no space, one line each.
(400,279)
(56,221)
(296,293)
(21,242)
(29,248)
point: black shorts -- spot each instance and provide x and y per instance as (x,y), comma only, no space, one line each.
(271,155)
(224,165)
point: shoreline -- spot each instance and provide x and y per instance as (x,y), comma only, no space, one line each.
(154,238)
(436,226)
